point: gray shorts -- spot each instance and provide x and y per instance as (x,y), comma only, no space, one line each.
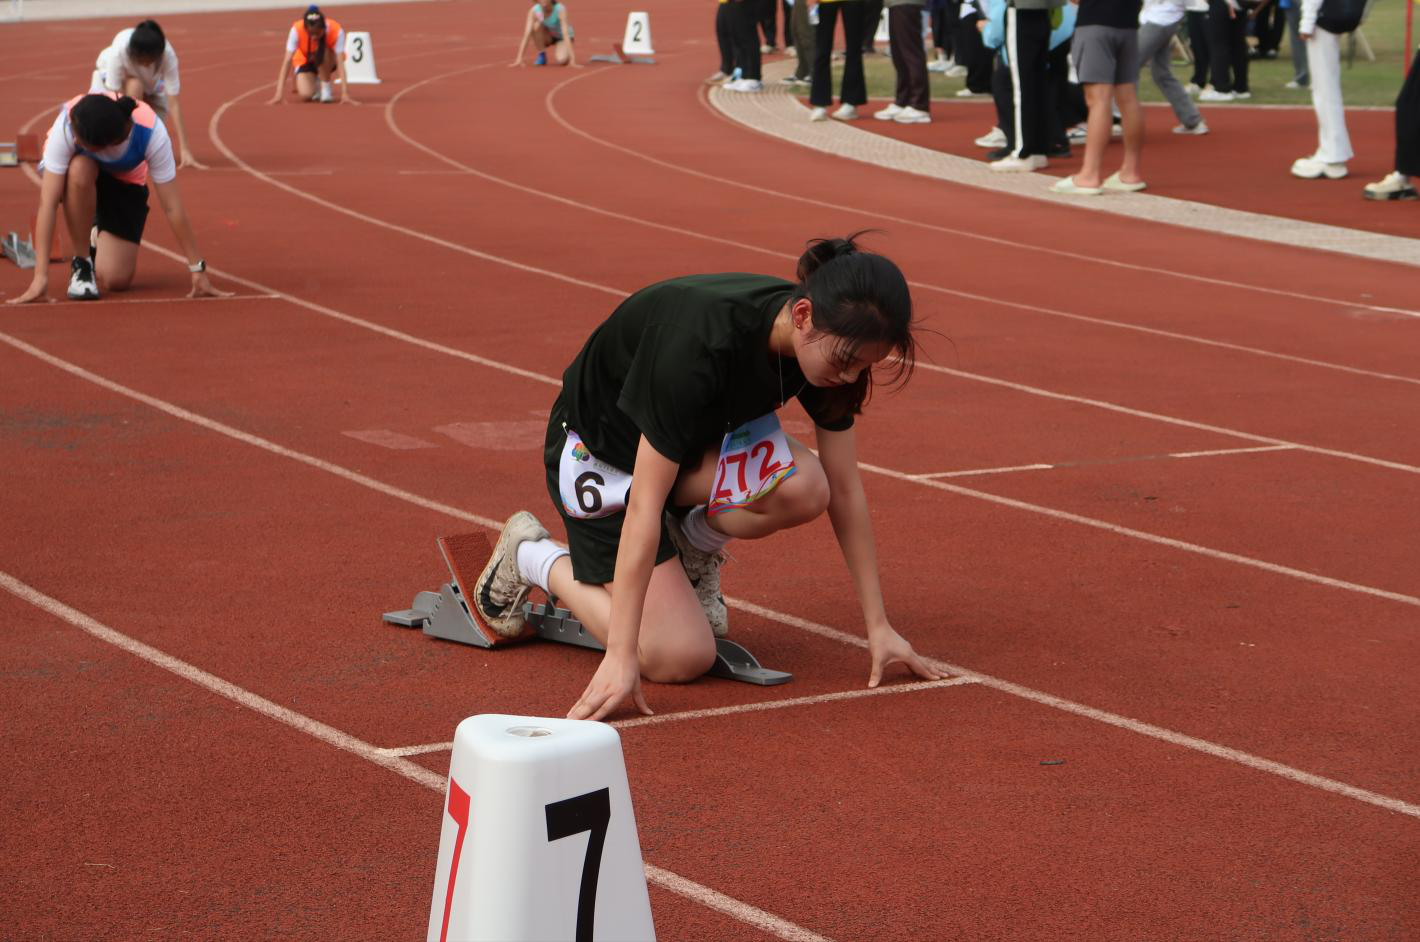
(1105,55)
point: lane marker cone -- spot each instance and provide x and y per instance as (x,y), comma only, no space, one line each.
(512,865)
(360,59)
(637,41)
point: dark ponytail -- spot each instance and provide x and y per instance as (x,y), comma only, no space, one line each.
(100,121)
(147,42)
(858,299)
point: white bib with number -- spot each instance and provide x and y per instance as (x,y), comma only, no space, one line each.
(588,486)
(754,459)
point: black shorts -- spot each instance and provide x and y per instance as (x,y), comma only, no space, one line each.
(591,543)
(122,208)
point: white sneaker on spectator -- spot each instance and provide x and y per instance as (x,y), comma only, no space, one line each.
(956,71)
(1395,186)
(793,81)
(1212,94)
(1294,84)
(968,93)
(1013,164)
(766,49)
(991,140)
(911,115)
(1242,96)
(1200,128)
(1311,168)
(818,114)
(1192,89)
(939,65)
(846,112)
(1077,134)
(888,113)
(746,85)
(716,79)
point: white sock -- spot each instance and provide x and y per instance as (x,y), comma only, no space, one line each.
(326,88)
(700,534)
(535,559)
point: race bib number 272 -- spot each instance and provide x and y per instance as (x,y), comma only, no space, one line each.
(754,460)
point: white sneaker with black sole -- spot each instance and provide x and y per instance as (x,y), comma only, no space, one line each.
(992,139)
(83,286)
(501,591)
(703,571)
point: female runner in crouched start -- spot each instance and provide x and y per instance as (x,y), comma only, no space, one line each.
(679,390)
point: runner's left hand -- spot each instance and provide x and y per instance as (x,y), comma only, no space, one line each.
(189,161)
(202,288)
(887,648)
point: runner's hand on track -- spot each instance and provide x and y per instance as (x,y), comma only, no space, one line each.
(278,100)
(202,288)
(191,162)
(34,292)
(616,679)
(887,648)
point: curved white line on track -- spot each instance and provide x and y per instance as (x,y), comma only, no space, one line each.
(961,233)
(1114,719)
(542,193)
(665,879)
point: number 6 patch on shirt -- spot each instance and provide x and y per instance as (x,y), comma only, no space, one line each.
(754,459)
(588,486)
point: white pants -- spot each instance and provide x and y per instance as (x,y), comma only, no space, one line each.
(1324,63)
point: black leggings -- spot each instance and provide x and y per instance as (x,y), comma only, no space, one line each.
(855,87)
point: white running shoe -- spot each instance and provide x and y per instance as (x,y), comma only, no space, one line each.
(888,113)
(818,114)
(1311,168)
(717,78)
(1192,89)
(911,115)
(956,71)
(992,139)
(1200,128)
(745,85)
(1396,186)
(1242,96)
(846,112)
(327,94)
(1212,94)
(968,93)
(703,571)
(1013,164)
(82,284)
(501,589)
(939,65)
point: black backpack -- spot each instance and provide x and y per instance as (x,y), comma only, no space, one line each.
(1341,16)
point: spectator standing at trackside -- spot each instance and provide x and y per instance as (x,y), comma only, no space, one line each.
(725,41)
(971,53)
(744,37)
(943,14)
(804,19)
(1059,110)
(1301,75)
(854,91)
(1106,57)
(1196,20)
(872,16)
(1158,22)
(1227,51)
(1321,30)
(1399,184)
(766,11)
(912,103)
(1027,52)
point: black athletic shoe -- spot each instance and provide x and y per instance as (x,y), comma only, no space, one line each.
(82,284)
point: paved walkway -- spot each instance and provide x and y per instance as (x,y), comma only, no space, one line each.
(777,112)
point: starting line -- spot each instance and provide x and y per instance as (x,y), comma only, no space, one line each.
(446,614)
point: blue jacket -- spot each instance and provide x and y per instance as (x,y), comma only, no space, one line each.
(994,35)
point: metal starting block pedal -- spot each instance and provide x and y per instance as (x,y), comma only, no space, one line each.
(20,251)
(449,615)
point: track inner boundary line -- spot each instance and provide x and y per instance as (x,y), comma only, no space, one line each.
(1147,729)
(665,879)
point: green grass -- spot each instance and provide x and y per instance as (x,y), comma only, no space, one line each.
(1362,82)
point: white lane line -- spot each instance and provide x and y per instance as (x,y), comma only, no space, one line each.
(463,168)
(620,293)
(758,707)
(1166,419)
(1148,537)
(751,915)
(386,438)
(790,620)
(1231,451)
(1217,452)
(109,301)
(1113,719)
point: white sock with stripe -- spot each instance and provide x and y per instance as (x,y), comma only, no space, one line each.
(700,534)
(535,559)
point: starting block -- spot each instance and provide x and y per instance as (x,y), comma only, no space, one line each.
(619,56)
(27,148)
(635,46)
(447,614)
(511,864)
(21,252)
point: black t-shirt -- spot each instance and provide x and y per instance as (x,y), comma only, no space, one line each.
(683,362)
(1121,14)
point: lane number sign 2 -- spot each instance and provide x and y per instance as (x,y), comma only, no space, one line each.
(590,812)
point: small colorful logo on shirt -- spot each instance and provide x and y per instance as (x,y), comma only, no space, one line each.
(580,453)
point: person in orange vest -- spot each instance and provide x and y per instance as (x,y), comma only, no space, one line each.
(101,154)
(315,52)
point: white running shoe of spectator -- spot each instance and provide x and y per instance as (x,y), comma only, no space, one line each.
(1200,128)
(1212,94)
(888,113)
(956,71)
(968,93)
(1395,186)
(846,112)
(1014,164)
(818,114)
(1077,134)
(991,140)
(1192,89)
(746,85)
(716,79)
(1312,168)
(939,65)
(911,115)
